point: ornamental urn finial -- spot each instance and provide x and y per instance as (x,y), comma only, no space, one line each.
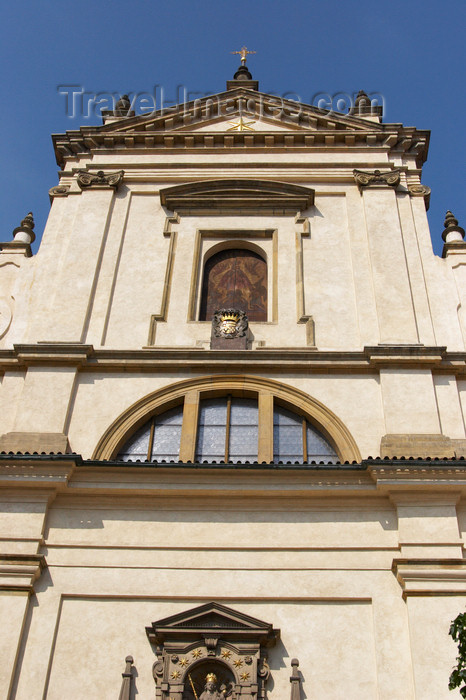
(28,221)
(25,232)
(452,233)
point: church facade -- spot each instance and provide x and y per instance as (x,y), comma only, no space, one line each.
(232,425)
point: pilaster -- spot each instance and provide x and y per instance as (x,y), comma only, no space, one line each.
(389,270)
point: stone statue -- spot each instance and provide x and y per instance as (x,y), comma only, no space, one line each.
(123,106)
(210,689)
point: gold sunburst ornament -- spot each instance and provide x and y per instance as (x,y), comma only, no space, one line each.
(241,125)
(175,675)
(238,663)
(197,653)
(226,653)
(184,662)
(244,676)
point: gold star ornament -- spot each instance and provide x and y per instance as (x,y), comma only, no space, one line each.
(226,653)
(238,663)
(241,125)
(184,662)
(197,653)
(175,675)
(244,676)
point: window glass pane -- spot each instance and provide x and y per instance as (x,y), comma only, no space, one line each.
(287,436)
(288,439)
(318,448)
(137,445)
(211,430)
(244,430)
(167,435)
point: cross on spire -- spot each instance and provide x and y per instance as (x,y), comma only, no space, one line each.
(243,52)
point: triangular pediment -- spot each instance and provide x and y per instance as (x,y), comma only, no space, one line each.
(240,110)
(240,118)
(211,619)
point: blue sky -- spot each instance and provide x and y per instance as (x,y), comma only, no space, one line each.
(411,52)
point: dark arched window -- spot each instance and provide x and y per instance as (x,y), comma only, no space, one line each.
(235,278)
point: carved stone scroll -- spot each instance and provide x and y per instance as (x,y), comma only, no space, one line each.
(377,178)
(59,191)
(99,180)
(419,190)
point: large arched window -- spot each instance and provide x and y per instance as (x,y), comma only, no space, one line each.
(235,278)
(228,430)
(228,418)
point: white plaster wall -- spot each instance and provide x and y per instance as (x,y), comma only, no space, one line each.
(138,274)
(328,279)
(433,651)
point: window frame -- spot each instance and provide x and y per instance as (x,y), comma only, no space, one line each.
(208,242)
(190,392)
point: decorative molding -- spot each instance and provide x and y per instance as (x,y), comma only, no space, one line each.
(419,190)
(319,415)
(377,178)
(59,191)
(19,572)
(16,248)
(99,180)
(430,577)
(178,128)
(161,316)
(253,197)
(213,648)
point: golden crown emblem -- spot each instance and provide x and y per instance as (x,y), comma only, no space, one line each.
(211,678)
(230,316)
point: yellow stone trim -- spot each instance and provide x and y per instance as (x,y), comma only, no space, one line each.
(189,427)
(163,399)
(265,447)
(162,315)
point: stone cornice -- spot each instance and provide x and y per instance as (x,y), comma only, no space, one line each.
(428,577)
(371,479)
(18,572)
(369,360)
(73,143)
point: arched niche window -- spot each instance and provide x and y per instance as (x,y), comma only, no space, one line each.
(235,278)
(227,429)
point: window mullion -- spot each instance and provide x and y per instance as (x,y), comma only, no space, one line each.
(305,454)
(227,429)
(189,427)
(151,439)
(265,446)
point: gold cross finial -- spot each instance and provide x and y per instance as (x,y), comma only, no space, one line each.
(243,52)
